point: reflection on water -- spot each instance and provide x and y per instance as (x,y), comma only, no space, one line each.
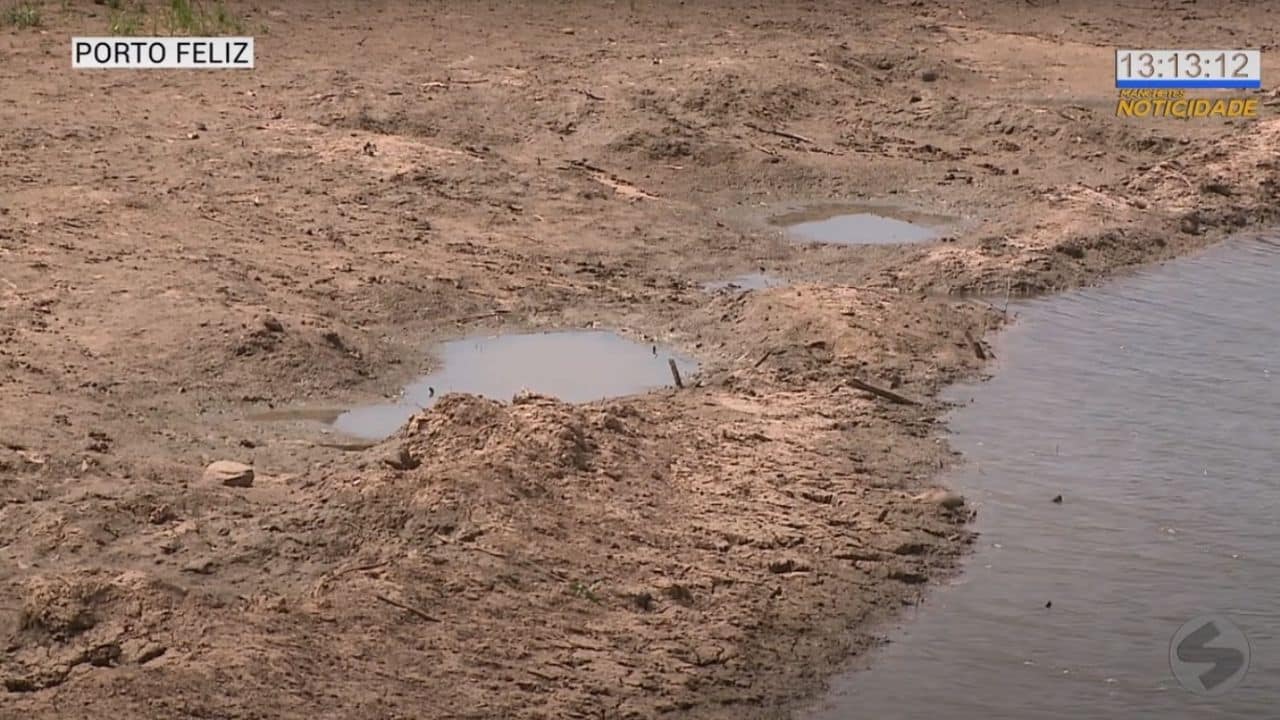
(749,281)
(854,228)
(1152,406)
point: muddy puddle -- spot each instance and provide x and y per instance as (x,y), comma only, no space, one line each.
(858,225)
(574,366)
(1152,406)
(749,281)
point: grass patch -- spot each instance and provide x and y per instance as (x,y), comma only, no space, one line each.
(21,15)
(126,21)
(175,17)
(585,592)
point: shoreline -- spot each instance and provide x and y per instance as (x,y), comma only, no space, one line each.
(1033,549)
(718,551)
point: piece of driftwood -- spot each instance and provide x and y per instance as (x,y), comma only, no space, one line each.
(407,608)
(881,392)
(675,372)
(765,150)
(780,133)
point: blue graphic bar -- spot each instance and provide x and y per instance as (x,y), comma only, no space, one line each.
(1185,84)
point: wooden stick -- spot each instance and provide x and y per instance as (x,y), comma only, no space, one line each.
(402,606)
(764,357)
(675,372)
(886,394)
(780,133)
(764,150)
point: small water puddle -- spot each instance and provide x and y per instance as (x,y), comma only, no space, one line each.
(854,226)
(574,366)
(749,281)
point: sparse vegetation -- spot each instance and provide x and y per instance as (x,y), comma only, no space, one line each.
(21,15)
(176,17)
(125,21)
(585,592)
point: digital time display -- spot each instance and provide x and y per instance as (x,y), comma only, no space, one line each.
(1189,69)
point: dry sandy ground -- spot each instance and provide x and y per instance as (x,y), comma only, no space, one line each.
(394,174)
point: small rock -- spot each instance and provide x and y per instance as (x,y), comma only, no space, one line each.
(231,474)
(1057,499)
(909,577)
(821,497)
(1218,188)
(529,397)
(910,548)
(200,567)
(787,565)
(20,684)
(272,324)
(401,458)
(679,593)
(99,442)
(150,652)
(104,655)
(708,654)
(161,515)
(1049,604)
(929,75)
(643,601)
(1190,224)
(334,340)
(942,498)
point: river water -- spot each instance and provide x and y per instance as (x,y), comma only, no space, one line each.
(1152,406)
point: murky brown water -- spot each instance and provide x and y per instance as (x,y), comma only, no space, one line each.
(1152,405)
(574,366)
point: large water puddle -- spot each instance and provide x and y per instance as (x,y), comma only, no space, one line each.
(854,226)
(1152,406)
(574,366)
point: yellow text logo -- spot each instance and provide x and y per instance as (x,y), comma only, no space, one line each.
(1176,105)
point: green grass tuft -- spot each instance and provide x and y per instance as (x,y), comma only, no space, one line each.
(192,17)
(127,21)
(175,17)
(21,15)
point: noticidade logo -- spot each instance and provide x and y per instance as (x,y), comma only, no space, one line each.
(1176,104)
